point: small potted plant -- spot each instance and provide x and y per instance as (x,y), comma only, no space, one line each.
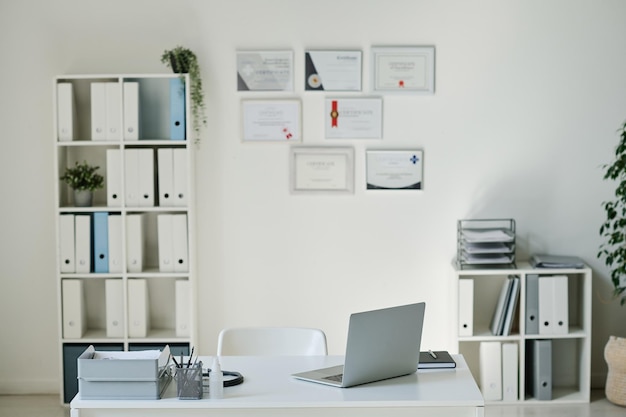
(184,61)
(84,180)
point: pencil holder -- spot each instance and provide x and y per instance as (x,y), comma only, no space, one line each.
(189,382)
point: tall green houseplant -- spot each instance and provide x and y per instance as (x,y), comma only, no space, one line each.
(184,61)
(613,250)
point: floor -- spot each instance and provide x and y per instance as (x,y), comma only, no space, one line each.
(49,406)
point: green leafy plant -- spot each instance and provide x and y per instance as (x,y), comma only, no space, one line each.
(83,177)
(613,250)
(184,61)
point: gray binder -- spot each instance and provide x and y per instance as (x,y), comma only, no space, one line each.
(540,366)
(532,304)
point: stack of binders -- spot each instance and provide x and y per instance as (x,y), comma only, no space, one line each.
(547,304)
(502,321)
(499,371)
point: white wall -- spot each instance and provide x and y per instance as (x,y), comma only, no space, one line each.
(529,95)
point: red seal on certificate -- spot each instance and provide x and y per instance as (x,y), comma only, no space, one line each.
(334,114)
(401,83)
(288,134)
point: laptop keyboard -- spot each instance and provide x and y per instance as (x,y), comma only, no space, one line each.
(336,378)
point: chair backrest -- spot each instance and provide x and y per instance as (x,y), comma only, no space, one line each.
(271,341)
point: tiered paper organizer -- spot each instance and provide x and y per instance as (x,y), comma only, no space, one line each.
(486,243)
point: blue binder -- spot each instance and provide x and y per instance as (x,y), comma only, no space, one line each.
(177,109)
(101,242)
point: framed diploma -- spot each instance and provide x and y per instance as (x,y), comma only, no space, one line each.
(264,70)
(408,69)
(271,120)
(332,71)
(322,170)
(354,118)
(394,170)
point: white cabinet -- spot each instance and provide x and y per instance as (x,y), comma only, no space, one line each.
(112,291)
(564,308)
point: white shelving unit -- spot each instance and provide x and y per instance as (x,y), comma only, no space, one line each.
(571,351)
(138,121)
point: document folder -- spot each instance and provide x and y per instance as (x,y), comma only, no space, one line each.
(532,304)
(116,256)
(131,110)
(553,305)
(65,112)
(66,243)
(113,92)
(539,375)
(114,178)
(490,356)
(114,300)
(165,170)
(101,242)
(510,375)
(180,177)
(134,242)
(98,111)
(82,245)
(138,308)
(74,320)
(177,109)
(466,307)
(183,309)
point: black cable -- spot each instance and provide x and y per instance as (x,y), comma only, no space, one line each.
(237,380)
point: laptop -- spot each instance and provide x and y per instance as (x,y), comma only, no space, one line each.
(382,344)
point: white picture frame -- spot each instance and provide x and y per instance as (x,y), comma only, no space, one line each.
(328,170)
(403,70)
(394,169)
(277,120)
(265,70)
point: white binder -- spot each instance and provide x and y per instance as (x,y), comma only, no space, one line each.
(134,242)
(82,243)
(179,240)
(116,257)
(66,244)
(165,168)
(180,177)
(165,242)
(510,376)
(131,110)
(114,178)
(490,356)
(553,305)
(466,307)
(138,308)
(74,318)
(146,177)
(183,308)
(131,171)
(113,110)
(114,300)
(98,111)
(65,112)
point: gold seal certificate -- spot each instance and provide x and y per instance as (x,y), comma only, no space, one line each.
(403,69)
(332,70)
(271,120)
(354,118)
(264,70)
(394,170)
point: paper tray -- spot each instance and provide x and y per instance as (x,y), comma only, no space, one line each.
(117,379)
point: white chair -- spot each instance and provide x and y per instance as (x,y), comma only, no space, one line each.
(271,341)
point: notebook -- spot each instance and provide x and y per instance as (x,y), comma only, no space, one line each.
(381,344)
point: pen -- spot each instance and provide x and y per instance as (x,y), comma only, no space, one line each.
(433,354)
(190,356)
(174,359)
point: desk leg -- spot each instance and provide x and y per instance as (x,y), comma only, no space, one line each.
(480,412)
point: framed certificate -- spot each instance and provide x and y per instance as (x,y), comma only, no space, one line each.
(354,118)
(264,70)
(271,120)
(408,69)
(322,170)
(332,71)
(394,170)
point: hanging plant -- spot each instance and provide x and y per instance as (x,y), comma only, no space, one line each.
(614,227)
(184,61)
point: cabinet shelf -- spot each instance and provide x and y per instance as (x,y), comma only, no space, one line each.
(118,288)
(478,293)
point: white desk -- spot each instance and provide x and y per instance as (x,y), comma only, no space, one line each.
(270,391)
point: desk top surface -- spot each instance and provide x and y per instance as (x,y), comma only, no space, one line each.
(269,384)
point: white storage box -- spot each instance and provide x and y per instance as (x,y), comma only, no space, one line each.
(123,375)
